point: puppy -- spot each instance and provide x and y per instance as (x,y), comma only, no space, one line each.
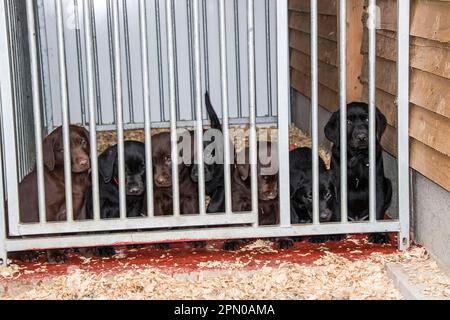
(162,175)
(300,170)
(109,185)
(214,170)
(358,164)
(268,202)
(55,198)
(301,185)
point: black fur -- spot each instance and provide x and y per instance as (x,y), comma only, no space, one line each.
(358,164)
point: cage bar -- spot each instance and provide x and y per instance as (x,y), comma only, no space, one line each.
(252,103)
(283,77)
(403,17)
(64,110)
(343,106)
(91,107)
(372,110)
(147,113)
(173,107)
(119,107)
(314,112)
(225,110)
(35,83)
(198,106)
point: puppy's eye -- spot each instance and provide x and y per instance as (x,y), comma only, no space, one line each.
(168,160)
(349,122)
(367,119)
(83,142)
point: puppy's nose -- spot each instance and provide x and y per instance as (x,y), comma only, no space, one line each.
(362,137)
(135,189)
(84,163)
(161,179)
(195,171)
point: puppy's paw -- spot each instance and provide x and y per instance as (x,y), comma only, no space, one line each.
(27,256)
(379,238)
(232,245)
(162,246)
(197,244)
(135,246)
(285,243)
(87,252)
(319,239)
(337,237)
(56,257)
(104,252)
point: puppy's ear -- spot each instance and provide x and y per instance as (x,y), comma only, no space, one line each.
(49,152)
(242,164)
(332,128)
(381,124)
(106,163)
(296,183)
(244,170)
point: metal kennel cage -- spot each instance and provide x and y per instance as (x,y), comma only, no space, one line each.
(116,65)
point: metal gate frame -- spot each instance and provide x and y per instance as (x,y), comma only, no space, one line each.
(285,229)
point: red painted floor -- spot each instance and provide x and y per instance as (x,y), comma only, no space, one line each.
(181,258)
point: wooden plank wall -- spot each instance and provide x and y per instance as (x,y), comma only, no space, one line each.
(328,49)
(430,72)
(429,84)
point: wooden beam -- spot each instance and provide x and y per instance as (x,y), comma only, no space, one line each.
(355,31)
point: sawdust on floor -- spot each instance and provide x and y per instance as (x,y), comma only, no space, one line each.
(330,277)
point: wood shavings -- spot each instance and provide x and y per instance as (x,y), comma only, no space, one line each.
(260,246)
(9,272)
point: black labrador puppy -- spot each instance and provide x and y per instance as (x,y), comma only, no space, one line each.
(358,164)
(109,185)
(300,172)
(214,170)
(301,185)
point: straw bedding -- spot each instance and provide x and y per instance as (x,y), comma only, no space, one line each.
(296,138)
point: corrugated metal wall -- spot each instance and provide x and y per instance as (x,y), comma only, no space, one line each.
(265,20)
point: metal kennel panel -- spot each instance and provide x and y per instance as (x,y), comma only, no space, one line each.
(63,234)
(182,16)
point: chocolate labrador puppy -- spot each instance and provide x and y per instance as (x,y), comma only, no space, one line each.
(55,198)
(268,203)
(162,175)
(358,164)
